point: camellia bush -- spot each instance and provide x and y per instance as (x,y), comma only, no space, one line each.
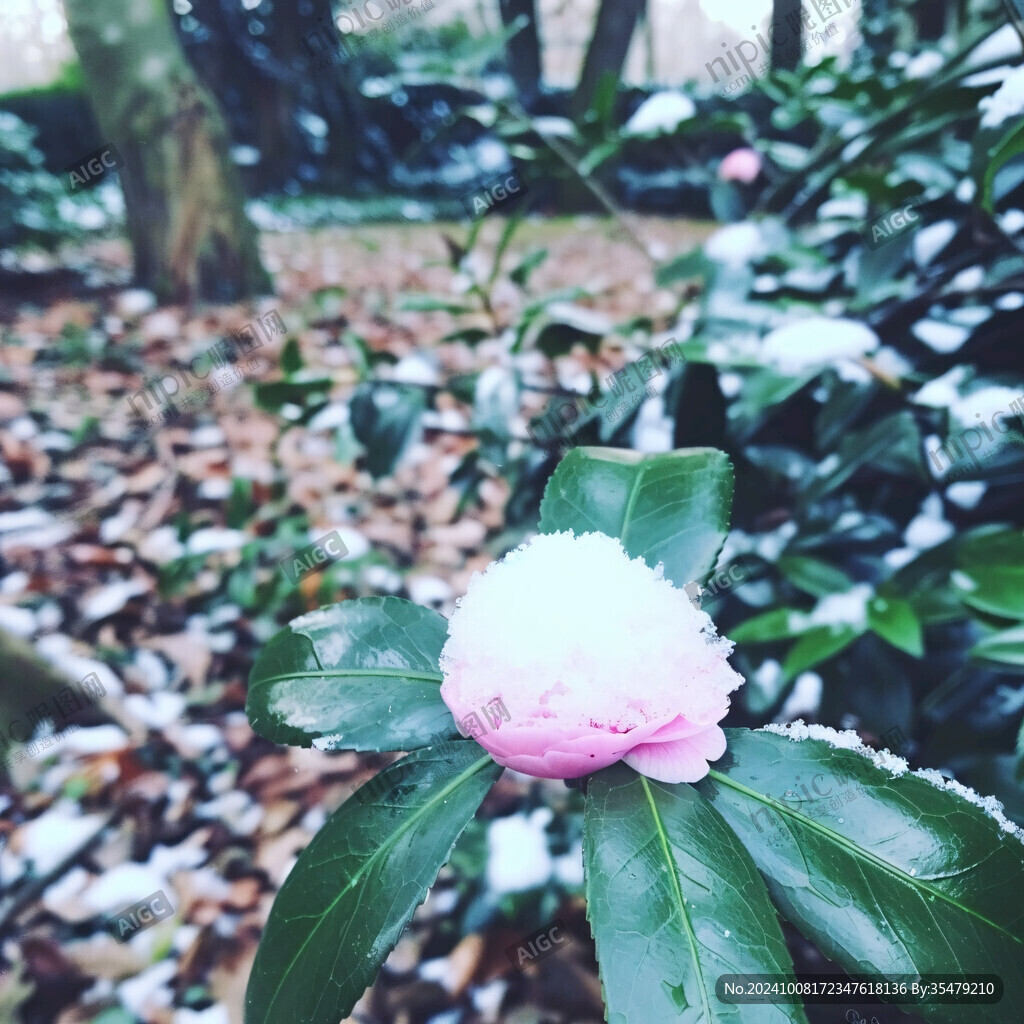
(580,656)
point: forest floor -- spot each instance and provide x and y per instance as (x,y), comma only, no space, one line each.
(123,551)
(140,552)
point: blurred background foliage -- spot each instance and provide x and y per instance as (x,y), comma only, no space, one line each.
(877,553)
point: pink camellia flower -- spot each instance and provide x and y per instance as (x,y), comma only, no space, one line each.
(567,656)
(740,165)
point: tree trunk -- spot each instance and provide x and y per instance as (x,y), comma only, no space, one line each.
(786,30)
(183,197)
(523,49)
(616,22)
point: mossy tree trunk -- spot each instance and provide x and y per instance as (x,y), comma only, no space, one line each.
(609,45)
(183,197)
(786,34)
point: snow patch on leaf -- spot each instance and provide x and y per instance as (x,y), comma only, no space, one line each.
(896,766)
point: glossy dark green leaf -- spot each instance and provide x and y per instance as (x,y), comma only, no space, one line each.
(1009,146)
(778,624)
(385,420)
(360,675)
(814,576)
(990,573)
(689,265)
(671,508)
(354,888)
(892,445)
(674,902)
(887,875)
(272,395)
(894,620)
(1005,647)
(818,644)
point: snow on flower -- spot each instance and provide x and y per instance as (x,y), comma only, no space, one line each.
(597,658)
(817,341)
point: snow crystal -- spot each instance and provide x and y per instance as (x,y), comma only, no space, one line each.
(846,740)
(944,391)
(924,64)
(929,528)
(805,698)
(931,240)
(896,766)
(940,336)
(968,280)
(966,494)
(661,113)
(518,857)
(1006,102)
(816,341)
(1012,221)
(989,804)
(846,609)
(1010,301)
(736,244)
(983,404)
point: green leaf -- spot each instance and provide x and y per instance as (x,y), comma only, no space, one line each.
(385,419)
(689,265)
(354,888)
(671,507)
(991,572)
(818,644)
(1008,147)
(778,624)
(291,358)
(892,445)
(674,902)
(893,619)
(271,395)
(520,273)
(1005,647)
(814,576)
(360,675)
(418,303)
(887,875)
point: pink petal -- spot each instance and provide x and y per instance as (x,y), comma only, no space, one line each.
(682,760)
(548,750)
